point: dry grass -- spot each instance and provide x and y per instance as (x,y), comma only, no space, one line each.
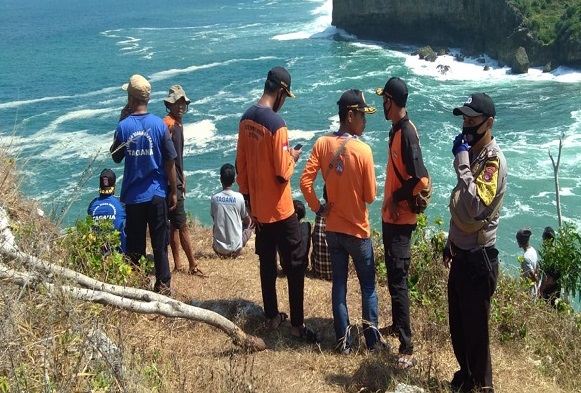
(47,344)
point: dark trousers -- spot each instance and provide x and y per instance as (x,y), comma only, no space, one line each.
(285,235)
(397,246)
(471,284)
(139,217)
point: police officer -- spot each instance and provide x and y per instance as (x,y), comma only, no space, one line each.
(470,251)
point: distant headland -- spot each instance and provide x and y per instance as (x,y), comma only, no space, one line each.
(517,33)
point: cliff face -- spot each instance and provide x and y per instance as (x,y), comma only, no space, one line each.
(476,26)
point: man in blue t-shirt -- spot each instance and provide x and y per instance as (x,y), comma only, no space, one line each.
(143,140)
(107,206)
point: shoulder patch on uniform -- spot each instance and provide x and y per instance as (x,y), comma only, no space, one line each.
(487,181)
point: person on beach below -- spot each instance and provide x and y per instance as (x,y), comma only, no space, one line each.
(529,261)
(176,103)
(232,224)
(406,176)
(108,207)
(346,163)
(470,250)
(265,164)
(143,140)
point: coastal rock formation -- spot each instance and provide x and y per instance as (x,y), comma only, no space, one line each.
(478,26)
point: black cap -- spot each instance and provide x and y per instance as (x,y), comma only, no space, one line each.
(548,233)
(396,89)
(282,78)
(354,99)
(523,236)
(107,182)
(477,104)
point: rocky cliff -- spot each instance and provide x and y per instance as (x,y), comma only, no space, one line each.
(477,26)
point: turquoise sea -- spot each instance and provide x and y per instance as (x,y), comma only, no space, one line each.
(62,64)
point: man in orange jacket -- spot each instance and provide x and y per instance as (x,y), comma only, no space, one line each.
(265,164)
(406,176)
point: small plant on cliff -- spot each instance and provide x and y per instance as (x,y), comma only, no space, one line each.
(563,255)
(93,248)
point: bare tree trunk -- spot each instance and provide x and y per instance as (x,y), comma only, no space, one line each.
(133,299)
(556,174)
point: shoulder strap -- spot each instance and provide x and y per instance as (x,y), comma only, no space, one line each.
(340,150)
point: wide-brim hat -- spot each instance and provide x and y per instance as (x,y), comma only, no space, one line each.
(176,92)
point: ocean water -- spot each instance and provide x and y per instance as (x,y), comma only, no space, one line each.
(62,64)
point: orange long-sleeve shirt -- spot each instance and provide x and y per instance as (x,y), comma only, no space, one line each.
(350,183)
(264,164)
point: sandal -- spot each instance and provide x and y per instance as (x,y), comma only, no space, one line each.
(280,317)
(309,335)
(405,362)
(195,271)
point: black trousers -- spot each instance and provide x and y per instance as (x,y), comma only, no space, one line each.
(471,284)
(138,217)
(397,246)
(285,235)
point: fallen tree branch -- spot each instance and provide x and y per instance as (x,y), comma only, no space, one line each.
(132,299)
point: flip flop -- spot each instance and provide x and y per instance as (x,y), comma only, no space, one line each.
(309,335)
(281,316)
(195,271)
(405,362)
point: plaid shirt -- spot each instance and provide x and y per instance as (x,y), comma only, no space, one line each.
(320,258)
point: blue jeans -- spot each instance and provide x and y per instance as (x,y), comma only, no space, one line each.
(341,246)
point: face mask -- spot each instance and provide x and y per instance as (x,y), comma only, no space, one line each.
(472,133)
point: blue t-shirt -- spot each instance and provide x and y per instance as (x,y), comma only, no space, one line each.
(148,145)
(109,207)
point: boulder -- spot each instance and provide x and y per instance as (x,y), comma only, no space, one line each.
(458,57)
(426,51)
(520,64)
(486,67)
(547,67)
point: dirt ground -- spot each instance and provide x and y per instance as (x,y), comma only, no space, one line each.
(195,357)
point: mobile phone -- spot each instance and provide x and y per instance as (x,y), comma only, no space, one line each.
(298,146)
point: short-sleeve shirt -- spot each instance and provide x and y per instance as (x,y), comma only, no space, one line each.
(228,211)
(148,146)
(109,208)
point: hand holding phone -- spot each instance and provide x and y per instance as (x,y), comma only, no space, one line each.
(298,146)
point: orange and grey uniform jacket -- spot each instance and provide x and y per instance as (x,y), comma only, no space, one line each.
(264,165)
(404,153)
(479,193)
(350,183)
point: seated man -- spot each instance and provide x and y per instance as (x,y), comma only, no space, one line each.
(108,206)
(229,214)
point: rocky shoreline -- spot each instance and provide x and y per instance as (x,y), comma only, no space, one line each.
(499,30)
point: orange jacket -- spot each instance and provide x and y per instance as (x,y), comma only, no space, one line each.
(404,153)
(264,164)
(350,183)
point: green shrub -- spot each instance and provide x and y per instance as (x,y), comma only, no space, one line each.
(563,255)
(93,249)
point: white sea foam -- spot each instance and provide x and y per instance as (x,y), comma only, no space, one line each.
(199,134)
(16,104)
(166,74)
(73,116)
(448,68)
